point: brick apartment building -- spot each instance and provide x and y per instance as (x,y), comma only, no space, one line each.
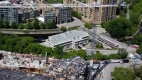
(102,11)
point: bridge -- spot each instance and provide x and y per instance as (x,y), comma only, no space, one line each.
(31,32)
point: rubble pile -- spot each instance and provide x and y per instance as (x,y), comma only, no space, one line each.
(7,74)
(70,69)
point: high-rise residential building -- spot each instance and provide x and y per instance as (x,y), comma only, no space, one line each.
(49,16)
(100,10)
(8,12)
(64,15)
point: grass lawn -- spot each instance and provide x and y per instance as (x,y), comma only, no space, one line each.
(73,28)
(54,1)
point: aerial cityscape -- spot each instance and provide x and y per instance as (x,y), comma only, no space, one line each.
(70,40)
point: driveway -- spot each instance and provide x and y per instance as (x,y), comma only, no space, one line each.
(76,22)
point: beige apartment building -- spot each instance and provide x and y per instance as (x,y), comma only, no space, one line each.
(100,10)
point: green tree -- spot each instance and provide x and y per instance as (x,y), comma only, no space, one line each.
(120,73)
(60,1)
(14,25)
(6,24)
(36,25)
(43,26)
(1,24)
(58,50)
(139,50)
(118,11)
(134,18)
(114,56)
(128,1)
(125,10)
(137,39)
(21,26)
(118,28)
(99,45)
(63,28)
(88,25)
(19,47)
(49,25)
(82,54)
(123,54)
(29,25)
(98,56)
(54,26)
(34,48)
(11,42)
(138,72)
(76,14)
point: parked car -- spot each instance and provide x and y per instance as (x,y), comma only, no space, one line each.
(131,56)
(137,56)
(135,46)
(135,63)
(125,60)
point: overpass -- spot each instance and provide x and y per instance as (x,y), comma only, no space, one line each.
(31,32)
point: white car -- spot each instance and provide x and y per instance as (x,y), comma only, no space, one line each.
(135,63)
(84,48)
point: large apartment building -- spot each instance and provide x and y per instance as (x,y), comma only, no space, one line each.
(49,16)
(64,15)
(8,12)
(100,10)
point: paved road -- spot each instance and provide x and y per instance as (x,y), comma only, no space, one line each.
(76,22)
(105,52)
(109,68)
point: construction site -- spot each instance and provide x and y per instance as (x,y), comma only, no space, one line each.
(15,66)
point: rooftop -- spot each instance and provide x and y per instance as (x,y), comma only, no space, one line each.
(5,2)
(73,35)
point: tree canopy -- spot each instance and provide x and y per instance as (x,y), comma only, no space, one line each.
(58,50)
(6,24)
(14,25)
(1,24)
(137,39)
(28,45)
(30,24)
(120,73)
(119,28)
(88,25)
(36,25)
(63,28)
(76,14)
(21,26)
(138,72)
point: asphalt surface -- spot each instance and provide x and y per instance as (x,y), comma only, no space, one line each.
(107,69)
(76,22)
(106,72)
(105,52)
